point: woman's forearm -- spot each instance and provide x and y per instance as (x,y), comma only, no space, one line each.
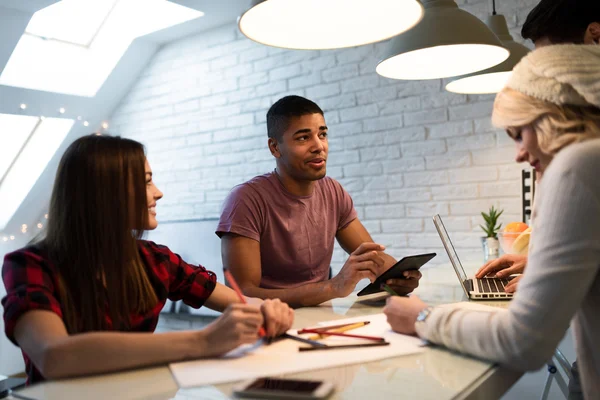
(221,297)
(100,352)
(562,265)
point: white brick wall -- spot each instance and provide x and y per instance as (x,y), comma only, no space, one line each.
(403,150)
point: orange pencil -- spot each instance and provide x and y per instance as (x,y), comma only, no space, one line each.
(338,330)
(326,328)
(376,338)
(236,288)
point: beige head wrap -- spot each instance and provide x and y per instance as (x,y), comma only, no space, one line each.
(560,74)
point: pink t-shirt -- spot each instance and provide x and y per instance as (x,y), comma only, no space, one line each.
(296,233)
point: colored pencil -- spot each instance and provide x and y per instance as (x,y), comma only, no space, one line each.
(326,328)
(389,290)
(337,330)
(376,338)
(344,346)
(236,289)
(299,339)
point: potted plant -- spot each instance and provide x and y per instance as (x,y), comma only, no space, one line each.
(491,229)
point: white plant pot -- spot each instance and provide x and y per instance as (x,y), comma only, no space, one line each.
(491,248)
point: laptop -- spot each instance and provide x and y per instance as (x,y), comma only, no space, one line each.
(475,289)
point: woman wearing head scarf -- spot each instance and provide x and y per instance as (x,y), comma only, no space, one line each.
(551,108)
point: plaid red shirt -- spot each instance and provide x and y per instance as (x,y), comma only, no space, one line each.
(31,284)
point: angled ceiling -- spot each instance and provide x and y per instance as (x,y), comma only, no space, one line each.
(92,107)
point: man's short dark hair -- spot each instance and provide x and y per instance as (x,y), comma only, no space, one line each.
(561,21)
(285,108)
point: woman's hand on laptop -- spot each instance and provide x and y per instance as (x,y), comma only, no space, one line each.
(407,285)
(511,287)
(402,312)
(503,267)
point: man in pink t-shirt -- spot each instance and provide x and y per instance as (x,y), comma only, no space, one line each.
(278,230)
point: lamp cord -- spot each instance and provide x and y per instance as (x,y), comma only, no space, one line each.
(493,7)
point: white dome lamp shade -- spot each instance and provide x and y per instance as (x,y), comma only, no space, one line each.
(494,79)
(327,24)
(447,42)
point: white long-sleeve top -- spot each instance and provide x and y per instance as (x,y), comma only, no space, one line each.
(561,284)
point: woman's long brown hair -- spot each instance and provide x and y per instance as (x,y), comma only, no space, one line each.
(98,210)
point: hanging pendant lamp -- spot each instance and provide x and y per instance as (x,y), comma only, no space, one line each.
(494,79)
(447,42)
(327,24)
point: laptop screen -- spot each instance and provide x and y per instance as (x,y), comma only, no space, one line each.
(439,225)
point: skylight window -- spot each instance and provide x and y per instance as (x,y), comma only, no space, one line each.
(15,130)
(42,139)
(58,22)
(72,46)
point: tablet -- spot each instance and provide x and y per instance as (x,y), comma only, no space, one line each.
(395,271)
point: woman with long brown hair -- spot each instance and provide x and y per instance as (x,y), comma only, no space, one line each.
(85,297)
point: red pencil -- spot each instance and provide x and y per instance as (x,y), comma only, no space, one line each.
(236,288)
(326,328)
(375,338)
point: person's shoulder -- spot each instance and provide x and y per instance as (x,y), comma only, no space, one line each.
(24,264)
(331,185)
(31,254)
(157,252)
(579,161)
(582,159)
(255,187)
(328,181)
(260,181)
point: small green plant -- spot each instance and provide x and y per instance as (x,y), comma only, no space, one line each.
(491,227)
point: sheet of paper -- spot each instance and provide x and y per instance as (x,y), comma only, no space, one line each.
(283,357)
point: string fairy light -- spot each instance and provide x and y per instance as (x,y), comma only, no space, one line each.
(6,238)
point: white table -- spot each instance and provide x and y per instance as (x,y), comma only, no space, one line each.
(434,374)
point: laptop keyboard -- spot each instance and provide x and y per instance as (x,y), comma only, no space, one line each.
(492,285)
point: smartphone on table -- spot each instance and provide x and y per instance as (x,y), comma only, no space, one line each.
(275,388)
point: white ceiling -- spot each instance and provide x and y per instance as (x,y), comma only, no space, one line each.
(14,17)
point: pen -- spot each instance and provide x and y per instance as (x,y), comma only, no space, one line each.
(326,328)
(389,290)
(236,288)
(303,340)
(344,346)
(338,330)
(376,338)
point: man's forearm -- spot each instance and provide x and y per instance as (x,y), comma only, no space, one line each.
(310,294)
